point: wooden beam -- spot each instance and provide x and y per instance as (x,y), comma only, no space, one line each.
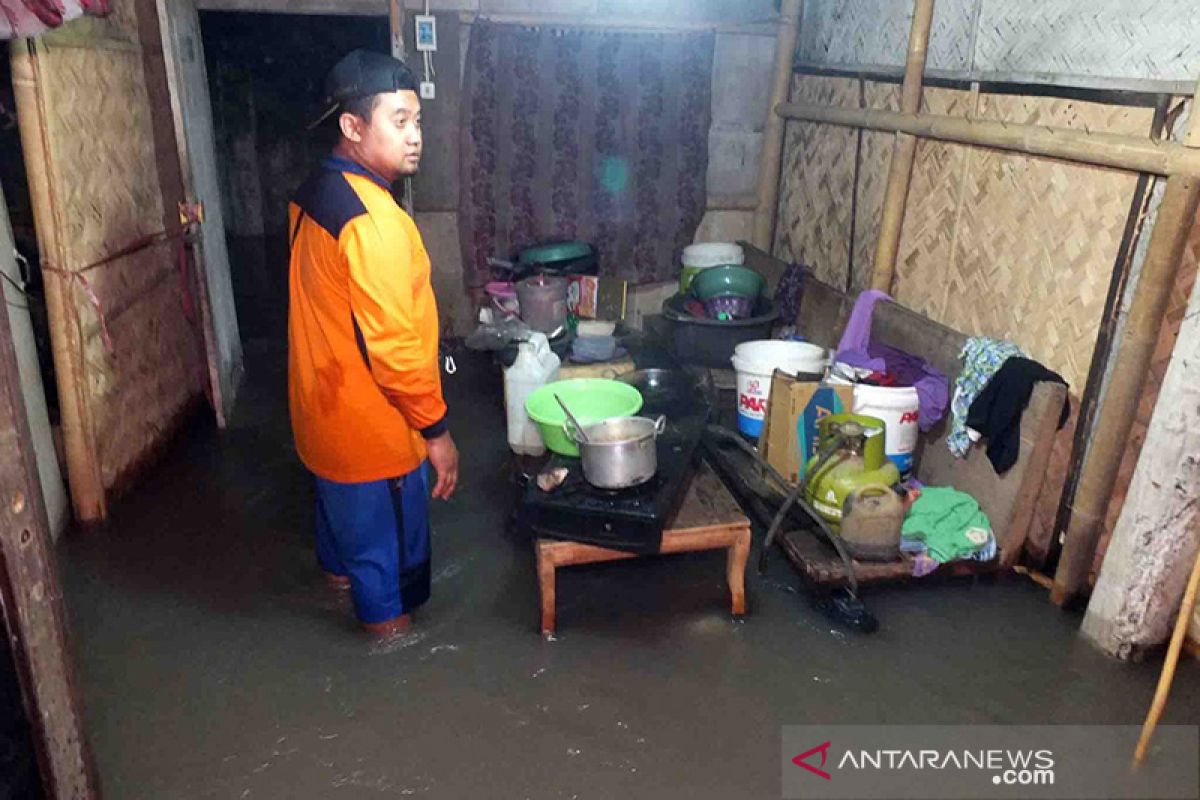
(1102,149)
(31,597)
(626,24)
(364,8)
(1055,81)
(904,151)
(772,152)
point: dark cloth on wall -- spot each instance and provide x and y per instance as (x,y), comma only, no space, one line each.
(790,292)
(997,410)
(584,135)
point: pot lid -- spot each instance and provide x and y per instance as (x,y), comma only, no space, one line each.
(553,252)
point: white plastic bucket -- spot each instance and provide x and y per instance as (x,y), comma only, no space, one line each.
(899,408)
(779,352)
(756,364)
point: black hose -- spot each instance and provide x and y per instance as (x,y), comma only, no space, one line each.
(794,497)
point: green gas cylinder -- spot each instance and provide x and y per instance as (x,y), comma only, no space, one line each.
(850,456)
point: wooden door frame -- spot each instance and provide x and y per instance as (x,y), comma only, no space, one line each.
(32,599)
(173,69)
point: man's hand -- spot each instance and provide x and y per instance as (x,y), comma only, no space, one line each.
(443,455)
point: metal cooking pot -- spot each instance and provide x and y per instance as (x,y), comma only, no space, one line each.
(620,452)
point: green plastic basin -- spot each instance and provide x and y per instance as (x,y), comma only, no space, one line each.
(591,400)
(731,281)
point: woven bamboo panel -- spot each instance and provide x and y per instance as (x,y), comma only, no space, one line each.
(817,183)
(875,156)
(105,180)
(1185,278)
(1158,39)
(161,368)
(104,160)
(1045,513)
(927,237)
(1037,238)
(876,32)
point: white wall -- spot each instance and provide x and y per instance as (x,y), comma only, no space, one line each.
(1148,44)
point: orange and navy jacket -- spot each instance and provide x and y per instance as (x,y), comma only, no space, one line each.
(363,382)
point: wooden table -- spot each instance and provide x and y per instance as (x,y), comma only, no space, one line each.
(708,519)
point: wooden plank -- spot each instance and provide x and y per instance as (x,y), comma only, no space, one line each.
(707,505)
(191,113)
(819,564)
(564,553)
(31,595)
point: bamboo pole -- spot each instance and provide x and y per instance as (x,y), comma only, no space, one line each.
(66,336)
(904,151)
(1102,149)
(1176,215)
(1167,676)
(772,153)
(620,24)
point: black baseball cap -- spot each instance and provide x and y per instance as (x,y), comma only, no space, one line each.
(362,73)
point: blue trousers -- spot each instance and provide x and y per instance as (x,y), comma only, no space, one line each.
(377,534)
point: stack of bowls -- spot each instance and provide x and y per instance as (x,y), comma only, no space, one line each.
(728,292)
(707,255)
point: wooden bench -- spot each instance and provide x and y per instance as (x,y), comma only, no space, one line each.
(708,519)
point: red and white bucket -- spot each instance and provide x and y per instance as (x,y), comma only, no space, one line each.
(756,362)
(899,408)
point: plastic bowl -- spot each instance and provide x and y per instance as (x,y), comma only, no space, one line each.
(591,400)
(728,282)
(729,307)
(711,342)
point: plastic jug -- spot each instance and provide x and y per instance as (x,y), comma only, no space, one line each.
(536,365)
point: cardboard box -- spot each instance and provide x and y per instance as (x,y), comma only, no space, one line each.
(590,297)
(789,438)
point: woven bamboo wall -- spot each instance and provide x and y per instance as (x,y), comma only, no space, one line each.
(929,238)
(1035,239)
(816,193)
(994,244)
(874,156)
(100,138)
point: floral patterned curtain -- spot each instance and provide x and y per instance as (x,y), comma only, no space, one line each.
(31,17)
(597,136)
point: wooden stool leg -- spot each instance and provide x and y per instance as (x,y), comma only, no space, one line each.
(546,586)
(735,571)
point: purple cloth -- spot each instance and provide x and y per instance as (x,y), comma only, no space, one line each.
(857,334)
(855,349)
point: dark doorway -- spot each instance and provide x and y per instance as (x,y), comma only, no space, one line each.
(266,74)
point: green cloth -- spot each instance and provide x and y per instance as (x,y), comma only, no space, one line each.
(950,522)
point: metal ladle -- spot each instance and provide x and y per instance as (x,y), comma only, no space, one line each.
(570,416)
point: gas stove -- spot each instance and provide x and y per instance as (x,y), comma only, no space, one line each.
(629,519)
